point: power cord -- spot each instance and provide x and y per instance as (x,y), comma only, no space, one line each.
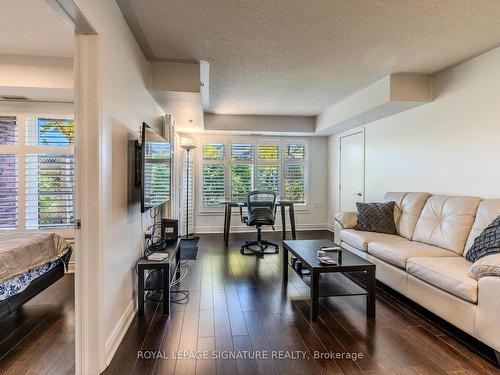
(185,293)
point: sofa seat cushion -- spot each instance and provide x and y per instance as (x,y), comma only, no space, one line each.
(398,252)
(446,273)
(360,239)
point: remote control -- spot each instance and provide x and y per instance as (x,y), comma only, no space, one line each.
(327,260)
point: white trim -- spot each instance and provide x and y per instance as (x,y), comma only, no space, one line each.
(114,340)
(89,344)
(330,227)
(38,108)
(246,229)
(71,267)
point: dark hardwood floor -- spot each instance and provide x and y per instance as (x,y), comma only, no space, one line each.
(236,306)
(40,338)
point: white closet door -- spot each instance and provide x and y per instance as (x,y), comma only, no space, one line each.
(352,171)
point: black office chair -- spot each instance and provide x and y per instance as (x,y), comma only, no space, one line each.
(261,207)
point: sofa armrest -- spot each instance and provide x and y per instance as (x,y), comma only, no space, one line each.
(488,312)
(347,220)
(486,266)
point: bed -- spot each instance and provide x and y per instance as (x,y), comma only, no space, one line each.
(29,263)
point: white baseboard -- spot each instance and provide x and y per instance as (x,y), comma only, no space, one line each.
(246,229)
(114,340)
(330,227)
(71,267)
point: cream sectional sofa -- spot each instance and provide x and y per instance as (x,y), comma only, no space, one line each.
(426,263)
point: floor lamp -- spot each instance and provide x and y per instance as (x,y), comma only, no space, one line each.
(188,236)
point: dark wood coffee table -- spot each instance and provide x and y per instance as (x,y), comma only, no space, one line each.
(329,281)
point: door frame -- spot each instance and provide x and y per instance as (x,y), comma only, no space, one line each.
(342,136)
(89,343)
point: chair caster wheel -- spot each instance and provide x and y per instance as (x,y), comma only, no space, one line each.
(242,251)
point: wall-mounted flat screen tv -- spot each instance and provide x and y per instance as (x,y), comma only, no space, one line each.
(156,169)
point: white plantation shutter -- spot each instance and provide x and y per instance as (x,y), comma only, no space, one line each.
(253,163)
(8,191)
(8,130)
(241,180)
(242,172)
(43,131)
(49,190)
(268,178)
(213,174)
(37,174)
(294,181)
(242,151)
(267,167)
(213,184)
(213,151)
(189,195)
(295,171)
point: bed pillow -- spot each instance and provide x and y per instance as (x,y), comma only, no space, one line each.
(376,217)
(487,243)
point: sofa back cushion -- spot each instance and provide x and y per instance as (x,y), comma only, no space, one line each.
(446,221)
(488,210)
(407,211)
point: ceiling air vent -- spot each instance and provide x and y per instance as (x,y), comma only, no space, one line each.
(13,97)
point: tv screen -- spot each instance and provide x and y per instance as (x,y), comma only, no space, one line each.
(156,169)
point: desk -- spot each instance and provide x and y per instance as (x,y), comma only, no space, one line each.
(281,202)
(168,271)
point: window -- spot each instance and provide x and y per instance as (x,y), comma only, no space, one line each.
(213,184)
(268,169)
(252,163)
(241,180)
(295,171)
(213,174)
(213,151)
(242,151)
(37,174)
(8,191)
(242,155)
(8,130)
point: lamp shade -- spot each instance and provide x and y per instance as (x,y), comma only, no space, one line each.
(187,143)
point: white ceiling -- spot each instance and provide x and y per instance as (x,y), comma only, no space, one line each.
(32,27)
(295,57)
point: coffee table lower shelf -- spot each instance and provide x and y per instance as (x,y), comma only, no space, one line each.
(335,285)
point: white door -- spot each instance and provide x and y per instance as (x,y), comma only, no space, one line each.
(352,171)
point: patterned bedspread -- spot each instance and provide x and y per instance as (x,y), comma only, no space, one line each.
(18,283)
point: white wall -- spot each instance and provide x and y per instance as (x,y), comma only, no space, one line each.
(315,217)
(125,103)
(37,77)
(448,146)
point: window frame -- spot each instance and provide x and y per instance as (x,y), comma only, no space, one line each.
(227,141)
(22,149)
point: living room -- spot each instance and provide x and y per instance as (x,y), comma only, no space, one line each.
(318,182)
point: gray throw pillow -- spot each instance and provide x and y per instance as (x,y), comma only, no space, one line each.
(487,243)
(376,217)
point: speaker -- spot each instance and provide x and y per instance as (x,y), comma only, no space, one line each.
(170,229)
